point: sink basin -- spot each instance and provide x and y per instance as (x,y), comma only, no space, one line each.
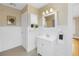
(48,37)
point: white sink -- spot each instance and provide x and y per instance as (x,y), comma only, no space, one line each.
(48,37)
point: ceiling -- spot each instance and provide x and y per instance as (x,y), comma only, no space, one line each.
(38,5)
(20,6)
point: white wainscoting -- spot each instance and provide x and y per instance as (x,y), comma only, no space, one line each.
(10,37)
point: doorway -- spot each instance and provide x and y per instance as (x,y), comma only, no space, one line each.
(75,41)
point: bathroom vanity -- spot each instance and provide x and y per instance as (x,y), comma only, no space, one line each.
(46,46)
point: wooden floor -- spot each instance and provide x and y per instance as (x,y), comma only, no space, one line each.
(75,47)
(18,51)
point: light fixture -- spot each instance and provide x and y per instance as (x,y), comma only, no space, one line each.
(47,12)
(43,13)
(51,10)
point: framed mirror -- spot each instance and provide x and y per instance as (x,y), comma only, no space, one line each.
(50,20)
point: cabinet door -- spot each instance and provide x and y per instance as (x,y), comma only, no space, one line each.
(46,48)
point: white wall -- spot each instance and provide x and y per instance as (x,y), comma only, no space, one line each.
(70,30)
(10,37)
(24,24)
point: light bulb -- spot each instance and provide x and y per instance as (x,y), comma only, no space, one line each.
(51,10)
(47,12)
(43,13)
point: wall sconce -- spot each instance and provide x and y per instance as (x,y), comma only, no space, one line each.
(47,11)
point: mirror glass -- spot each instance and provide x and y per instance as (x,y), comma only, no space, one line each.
(49,20)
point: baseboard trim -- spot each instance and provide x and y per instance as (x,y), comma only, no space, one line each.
(10,48)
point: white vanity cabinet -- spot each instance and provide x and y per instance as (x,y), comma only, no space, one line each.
(45,47)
